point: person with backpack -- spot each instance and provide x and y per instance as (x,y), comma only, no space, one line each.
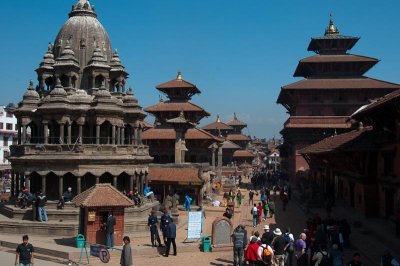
(278,246)
(239,242)
(265,254)
(289,247)
(251,252)
(322,257)
(265,209)
(254,212)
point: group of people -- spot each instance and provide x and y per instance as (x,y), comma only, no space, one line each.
(168,229)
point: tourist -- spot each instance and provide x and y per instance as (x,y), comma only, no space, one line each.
(289,247)
(285,200)
(271,206)
(171,235)
(239,243)
(265,254)
(356,261)
(110,223)
(126,255)
(251,196)
(256,235)
(260,209)
(388,260)
(148,193)
(251,252)
(254,212)
(267,235)
(152,223)
(231,196)
(322,257)
(228,213)
(41,205)
(68,195)
(136,198)
(265,209)
(24,253)
(23,198)
(300,248)
(188,201)
(164,222)
(239,198)
(337,256)
(278,245)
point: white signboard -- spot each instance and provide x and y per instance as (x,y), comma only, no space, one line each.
(195,224)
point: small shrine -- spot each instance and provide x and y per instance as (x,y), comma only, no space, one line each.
(95,205)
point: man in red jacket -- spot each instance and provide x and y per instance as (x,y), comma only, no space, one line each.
(251,252)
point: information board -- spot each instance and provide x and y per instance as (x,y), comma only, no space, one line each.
(195,223)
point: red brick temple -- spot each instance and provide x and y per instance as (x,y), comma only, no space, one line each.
(332,88)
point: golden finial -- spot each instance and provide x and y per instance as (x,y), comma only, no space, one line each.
(179,76)
(332,29)
(218,119)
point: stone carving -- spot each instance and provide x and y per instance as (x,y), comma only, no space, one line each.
(171,203)
(221,231)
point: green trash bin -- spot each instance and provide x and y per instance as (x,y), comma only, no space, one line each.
(206,240)
(80,241)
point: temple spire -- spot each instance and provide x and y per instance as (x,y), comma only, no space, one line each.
(218,119)
(179,76)
(332,29)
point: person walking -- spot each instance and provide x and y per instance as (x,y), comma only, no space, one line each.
(152,223)
(41,204)
(24,253)
(356,261)
(322,257)
(289,247)
(126,255)
(337,256)
(271,206)
(171,235)
(239,242)
(251,196)
(251,251)
(110,223)
(278,246)
(267,235)
(265,210)
(265,254)
(300,248)
(254,212)
(239,198)
(260,209)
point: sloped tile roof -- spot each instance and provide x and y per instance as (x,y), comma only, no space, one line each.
(176,83)
(102,195)
(243,153)
(237,137)
(317,122)
(165,174)
(169,133)
(216,126)
(377,103)
(338,58)
(175,107)
(334,142)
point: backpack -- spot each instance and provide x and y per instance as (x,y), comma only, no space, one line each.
(288,243)
(254,212)
(266,256)
(326,260)
(238,239)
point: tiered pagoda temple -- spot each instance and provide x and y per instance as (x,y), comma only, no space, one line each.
(79,126)
(332,88)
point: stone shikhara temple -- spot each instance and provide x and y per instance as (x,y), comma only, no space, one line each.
(80,125)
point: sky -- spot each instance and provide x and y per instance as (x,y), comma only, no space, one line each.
(239,53)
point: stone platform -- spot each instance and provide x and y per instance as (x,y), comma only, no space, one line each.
(65,222)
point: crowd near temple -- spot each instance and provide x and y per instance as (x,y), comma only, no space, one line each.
(80,150)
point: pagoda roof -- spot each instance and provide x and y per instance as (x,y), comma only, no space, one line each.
(334,142)
(377,103)
(170,134)
(237,137)
(178,83)
(227,144)
(217,125)
(236,122)
(314,43)
(243,153)
(102,195)
(169,106)
(340,83)
(174,174)
(338,58)
(146,124)
(317,122)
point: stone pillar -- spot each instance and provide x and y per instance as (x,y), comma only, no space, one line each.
(70,82)
(97,134)
(146,181)
(118,138)
(115,181)
(69,134)
(122,136)
(219,161)
(17,188)
(137,183)
(80,134)
(44,184)
(135,136)
(97,179)
(19,134)
(131,182)
(62,138)
(12,183)
(139,136)
(93,82)
(28,182)
(78,185)
(140,185)
(113,135)
(46,133)
(213,158)
(24,134)
(60,185)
